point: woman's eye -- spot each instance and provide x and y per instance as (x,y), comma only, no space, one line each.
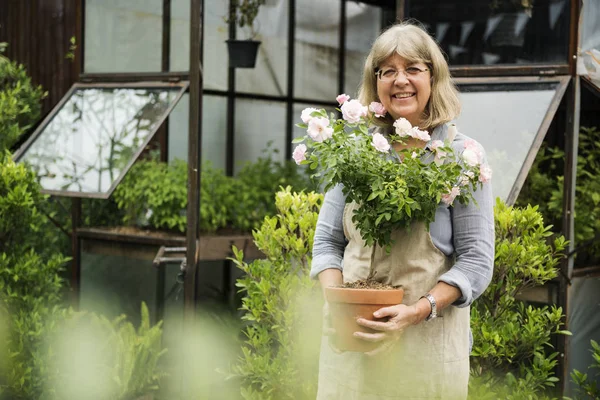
(413,70)
(388,73)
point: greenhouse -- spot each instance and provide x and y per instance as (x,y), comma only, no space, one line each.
(147,177)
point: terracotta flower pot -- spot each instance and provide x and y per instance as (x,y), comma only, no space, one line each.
(346,305)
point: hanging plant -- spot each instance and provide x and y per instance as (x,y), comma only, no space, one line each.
(242,53)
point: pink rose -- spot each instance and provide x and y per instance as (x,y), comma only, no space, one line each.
(419,134)
(319,129)
(299,153)
(378,109)
(353,111)
(466,178)
(306,117)
(342,98)
(485,173)
(380,143)
(402,127)
(448,198)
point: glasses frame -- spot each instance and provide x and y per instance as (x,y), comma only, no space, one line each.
(421,70)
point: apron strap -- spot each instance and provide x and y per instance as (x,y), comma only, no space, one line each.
(451,132)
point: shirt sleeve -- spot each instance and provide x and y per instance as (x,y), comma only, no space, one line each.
(329,242)
(473,237)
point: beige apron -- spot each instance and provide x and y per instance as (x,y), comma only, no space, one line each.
(431,359)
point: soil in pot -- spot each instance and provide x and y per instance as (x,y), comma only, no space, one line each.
(360,300)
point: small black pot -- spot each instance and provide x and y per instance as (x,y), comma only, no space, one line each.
(242,53)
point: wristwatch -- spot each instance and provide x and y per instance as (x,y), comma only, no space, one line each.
(431,300)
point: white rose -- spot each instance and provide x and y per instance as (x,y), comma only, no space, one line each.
(380,143)
(352,111)
(319,129)
(305,116)
(471,157)
(402,126)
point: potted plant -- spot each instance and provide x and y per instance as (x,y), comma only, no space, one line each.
(242,53)
(343,151)
(358,299)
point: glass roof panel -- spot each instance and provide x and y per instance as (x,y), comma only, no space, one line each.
(505,119)
(95,136)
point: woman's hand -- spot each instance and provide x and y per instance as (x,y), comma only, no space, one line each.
(399,317)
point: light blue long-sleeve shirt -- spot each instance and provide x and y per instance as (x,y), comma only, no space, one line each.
(466,231)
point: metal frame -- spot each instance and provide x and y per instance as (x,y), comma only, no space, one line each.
(77,86)
(194,157)
(590,85)
(562,82)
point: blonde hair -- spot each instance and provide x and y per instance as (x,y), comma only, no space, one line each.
(413,44)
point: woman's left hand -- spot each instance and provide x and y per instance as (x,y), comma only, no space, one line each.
(400,316)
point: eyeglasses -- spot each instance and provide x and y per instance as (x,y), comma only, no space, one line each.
(390,74)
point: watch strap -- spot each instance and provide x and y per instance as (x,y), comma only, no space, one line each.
(433,312)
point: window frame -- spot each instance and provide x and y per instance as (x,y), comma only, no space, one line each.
(183,87)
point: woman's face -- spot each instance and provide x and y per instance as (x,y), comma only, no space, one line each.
(407,95)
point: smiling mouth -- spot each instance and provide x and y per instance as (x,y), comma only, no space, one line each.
(403,95)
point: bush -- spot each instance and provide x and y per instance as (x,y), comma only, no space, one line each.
(280,355)
(544,186)
(30,282)
(155,193)
(112,359)
(588,386)
(19,102)
(511,357)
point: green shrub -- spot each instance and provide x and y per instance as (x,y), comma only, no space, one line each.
(587,387)
(544,186)
(511,357)
(19,102)
(30,283)
(155,193)
(283,317)
(92,357)
(255,186)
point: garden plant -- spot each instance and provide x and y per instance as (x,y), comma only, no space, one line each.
(513,356)
(154,194)
(281,305)
(33,306)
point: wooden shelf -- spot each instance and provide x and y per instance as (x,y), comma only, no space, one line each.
(212,247)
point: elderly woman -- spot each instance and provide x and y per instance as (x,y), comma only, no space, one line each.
(426,340)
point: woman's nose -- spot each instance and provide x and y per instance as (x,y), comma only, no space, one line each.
(401,78)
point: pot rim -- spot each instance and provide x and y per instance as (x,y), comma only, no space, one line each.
(364,296)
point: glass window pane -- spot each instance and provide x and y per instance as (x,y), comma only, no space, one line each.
(92,139)
(498,31)
(504,119)
(269,76)
(215,35)
(588,62)
(214,130)
(363,27)
(117,277)
(317,49)
(123,35)
(258,123)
